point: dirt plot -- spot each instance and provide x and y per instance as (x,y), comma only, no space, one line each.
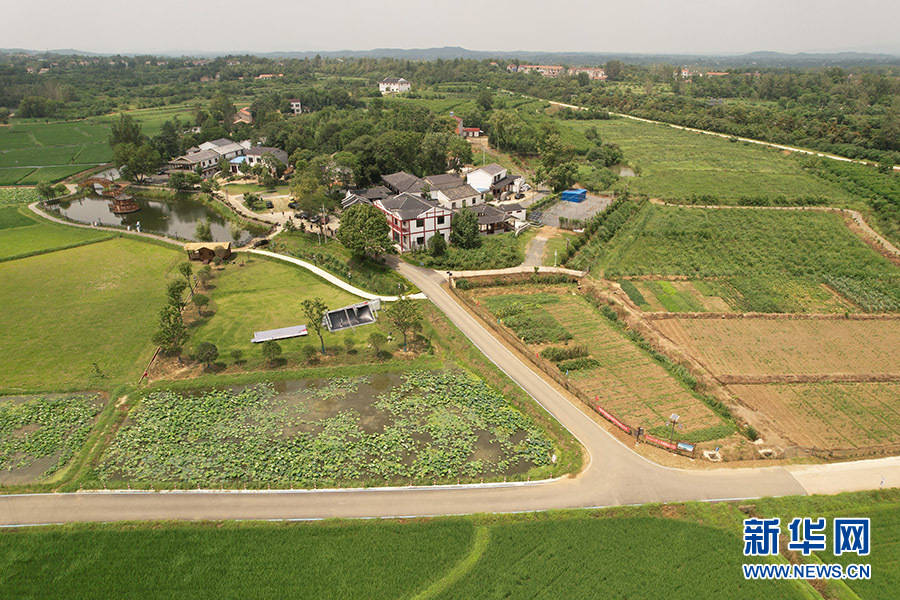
(627,381)
(829,415)
(758,347)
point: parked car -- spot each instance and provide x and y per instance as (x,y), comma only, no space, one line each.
(302,214)
(269,204)
(314,219)
(519,196)
(260,242)
(525,187)
(292,204)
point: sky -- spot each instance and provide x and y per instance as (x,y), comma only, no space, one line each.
(624,26)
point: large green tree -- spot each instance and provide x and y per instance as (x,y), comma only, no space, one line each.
(405,315)
(171,334)
(464,229)
(314,309)
(364,230)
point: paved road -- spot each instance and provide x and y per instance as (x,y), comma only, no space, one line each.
(614,475)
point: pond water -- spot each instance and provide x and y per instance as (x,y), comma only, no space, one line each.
(176,218)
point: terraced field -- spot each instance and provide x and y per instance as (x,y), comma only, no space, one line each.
(829,415)
(625,379)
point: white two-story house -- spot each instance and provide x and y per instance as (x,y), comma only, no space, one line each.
(393,85)
(414,220)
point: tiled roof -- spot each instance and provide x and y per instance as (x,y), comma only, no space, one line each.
(408,206)
(402,182)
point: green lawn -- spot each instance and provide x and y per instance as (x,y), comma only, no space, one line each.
(678,551)
(266,294)
(25,234)
(777,261)
(335,258)
(66,310)
(556,246)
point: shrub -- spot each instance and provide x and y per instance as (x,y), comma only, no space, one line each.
(575,364)
(271,351)
(558,353)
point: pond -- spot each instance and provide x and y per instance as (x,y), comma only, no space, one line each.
(176,218)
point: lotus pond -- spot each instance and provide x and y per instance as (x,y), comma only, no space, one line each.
(40,434)
(415,427)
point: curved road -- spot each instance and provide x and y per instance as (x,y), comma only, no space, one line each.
(614,474)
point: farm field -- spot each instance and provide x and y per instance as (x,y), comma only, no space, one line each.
(40,434)
(625,551)
(23,234)
(107,292)
(33,151)
(624,378)
(828,415)
(762,260)
(754,347)
(675,164)
(678,296)
(389,428)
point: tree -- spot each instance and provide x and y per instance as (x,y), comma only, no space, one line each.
(271,350)
(314,309)
(464,229)
(125,131)
(45,190)
(405,315)
(204,275)
(562,176)
(484,99)
(207,353)
(201,301)
(183,180)
(437,245)
(171,334)
(4,115)
(364,230)
(377,340)
(186,271)
(175,293)
(136,161)
(203,232)
(614,69)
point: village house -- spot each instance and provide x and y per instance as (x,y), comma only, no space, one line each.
(490,219)
(414,220)
(243,116)
(484,177)
(465,132)
(204,159)
(393,85)
(595,73)
(254,156)
(545,70)
(296,106)
(402,182)
(459,196)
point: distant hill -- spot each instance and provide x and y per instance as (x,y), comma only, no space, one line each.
(760,59)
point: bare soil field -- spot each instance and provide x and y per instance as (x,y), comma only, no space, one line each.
(829,415)
(760,347)
(625,380)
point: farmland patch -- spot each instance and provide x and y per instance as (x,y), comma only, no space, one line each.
(413,428)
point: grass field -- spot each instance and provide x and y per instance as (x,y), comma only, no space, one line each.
(32,151)
(773,261)
(555,246)
(828,415)
(677,551)
(626,380)
(761,347)
(265,294)
(23,234)
(335,258)
(496,251)
(66,311)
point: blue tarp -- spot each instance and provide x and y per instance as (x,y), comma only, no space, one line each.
(574,195)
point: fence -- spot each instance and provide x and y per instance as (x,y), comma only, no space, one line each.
(550,369)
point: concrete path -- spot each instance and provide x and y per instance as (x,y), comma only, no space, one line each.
(534,253)
(524,268)
(613,475)
(329,277)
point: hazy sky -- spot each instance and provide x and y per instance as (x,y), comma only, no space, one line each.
(644,26)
